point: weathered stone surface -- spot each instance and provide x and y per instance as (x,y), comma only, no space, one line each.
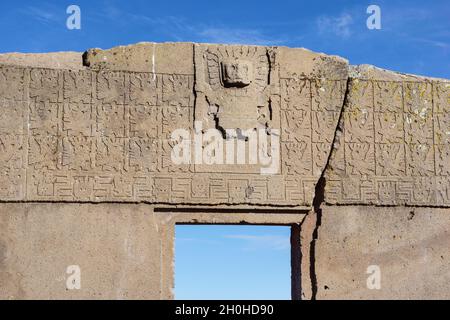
(124,251)
(82,129)
(104,133)
(170,58)
(393,141)
(304,63)
(117,249)
(409,245)
(52,60)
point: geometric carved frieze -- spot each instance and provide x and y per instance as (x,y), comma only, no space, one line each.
(105,135)
(394,145)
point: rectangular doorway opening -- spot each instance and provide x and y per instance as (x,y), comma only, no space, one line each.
(234,262)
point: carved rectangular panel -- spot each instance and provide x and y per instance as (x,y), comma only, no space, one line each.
(101,135)
(395,145)
(13,132)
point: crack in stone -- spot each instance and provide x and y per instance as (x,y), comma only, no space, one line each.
(319,199)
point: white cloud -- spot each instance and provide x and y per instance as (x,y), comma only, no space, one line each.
(196,241)
(435,43)
(180,29)
(268,242)
(43,15)
(340,25)
(235,36)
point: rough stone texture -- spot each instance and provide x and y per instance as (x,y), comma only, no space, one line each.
(410,245)
(117,248)
(103,133)
(170,58)
(54,60)
(124,251)
(393,141)
(78,131)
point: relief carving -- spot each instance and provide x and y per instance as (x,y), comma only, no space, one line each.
(395,144)
(105,134)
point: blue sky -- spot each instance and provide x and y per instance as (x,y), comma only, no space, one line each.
(232,262)
(415,34)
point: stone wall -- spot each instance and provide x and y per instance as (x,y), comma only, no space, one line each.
(409,245)
(88,179)
(103,133)
(393,142)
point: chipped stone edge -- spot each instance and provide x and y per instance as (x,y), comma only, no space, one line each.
(309,227)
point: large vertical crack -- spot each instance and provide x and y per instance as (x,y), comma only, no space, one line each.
(319,198)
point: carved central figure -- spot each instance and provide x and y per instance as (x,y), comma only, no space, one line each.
(233,88)
(237,73)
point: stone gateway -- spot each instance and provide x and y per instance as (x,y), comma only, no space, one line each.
(88,177)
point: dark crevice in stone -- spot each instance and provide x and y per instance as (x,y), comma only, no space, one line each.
(377,205)
(86,62)
(194,89)
(231,210)
(319,199)
(296,262)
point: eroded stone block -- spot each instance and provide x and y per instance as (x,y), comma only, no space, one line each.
(392,141)
(408,246)
(102,132)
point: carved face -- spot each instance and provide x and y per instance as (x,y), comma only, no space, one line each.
(237,73)
(236,89)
